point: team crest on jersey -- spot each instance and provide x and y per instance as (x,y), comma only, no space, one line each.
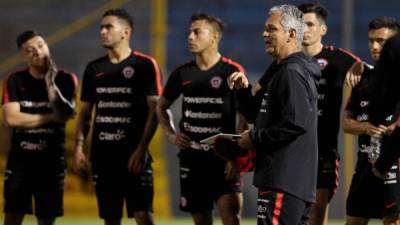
(128,72)
(322,63)
(216,82)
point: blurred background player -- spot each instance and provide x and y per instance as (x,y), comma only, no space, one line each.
(123,87)
(208,108)
(383,194)
(37,102)
(334,63)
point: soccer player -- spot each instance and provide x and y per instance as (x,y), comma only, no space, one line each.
(123,87)
(37,102)
(334,63)
(383,194)
(285,132)
(208,108)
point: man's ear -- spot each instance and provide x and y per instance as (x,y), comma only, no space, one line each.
(292,34)
(22,55)
(324,29)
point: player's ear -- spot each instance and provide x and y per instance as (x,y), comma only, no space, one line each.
(324,29)
(22,54)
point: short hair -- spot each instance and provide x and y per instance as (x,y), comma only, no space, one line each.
(384,22)
(121,14)
(292,18)
(25,36)
(320,11)
(214,21)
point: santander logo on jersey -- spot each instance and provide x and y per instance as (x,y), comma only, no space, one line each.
(216,82)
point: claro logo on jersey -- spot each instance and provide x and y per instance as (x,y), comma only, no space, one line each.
(322,63)
(31,146)
(216,82)
(128,72)
(117,136)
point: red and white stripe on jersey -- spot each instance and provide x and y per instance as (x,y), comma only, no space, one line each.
(332,48)
(74,79)
(233,63)
(350,54)
(277,208)
(6,96)
(156,69)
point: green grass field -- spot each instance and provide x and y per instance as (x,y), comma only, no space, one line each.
(29,220)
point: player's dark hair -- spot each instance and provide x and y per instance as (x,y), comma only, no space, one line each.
(384,22)
(317,8)
(215,22)
(121,14)
(25,36)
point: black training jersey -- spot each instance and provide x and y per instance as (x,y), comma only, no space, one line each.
(208,105)
(119,92)
(359,109)
(43,145)
(334,64)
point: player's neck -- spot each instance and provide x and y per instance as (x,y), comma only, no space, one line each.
(207,59)
(313,50)
(37,73)
(118,54)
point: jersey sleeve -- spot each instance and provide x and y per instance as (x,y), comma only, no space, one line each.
(155,87)
(88,92)
(347,60)
(10,92)
(173,88)
(69,86)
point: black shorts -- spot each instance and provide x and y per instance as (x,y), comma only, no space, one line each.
(203,180)
(328,172)
(372,197)
(276,207)
(116,186)
(46,187)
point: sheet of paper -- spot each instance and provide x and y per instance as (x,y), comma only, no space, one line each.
(210,140)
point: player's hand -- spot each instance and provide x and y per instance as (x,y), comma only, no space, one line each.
(353,75)
(137,160)
(52,71)
(231,170)
(374,131)
(391,128)
(179,139)
(245,141)
(79,161)
(238,80)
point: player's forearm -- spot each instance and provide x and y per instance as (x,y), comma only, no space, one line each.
(353,126)
(151,123)
(27,120)
(83,125)
(62,106)
(165,117)
(149,130)
(242,124)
